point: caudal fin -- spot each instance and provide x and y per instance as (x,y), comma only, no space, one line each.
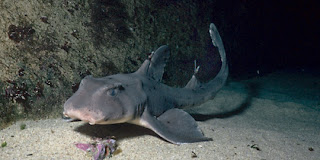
(215,84)
(220,79)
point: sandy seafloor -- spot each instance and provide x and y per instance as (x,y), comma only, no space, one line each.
(276,117)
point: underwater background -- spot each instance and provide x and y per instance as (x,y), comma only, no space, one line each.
(272,47)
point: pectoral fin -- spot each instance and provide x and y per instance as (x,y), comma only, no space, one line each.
(175,126)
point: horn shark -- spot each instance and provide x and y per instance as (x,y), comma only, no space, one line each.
(140,98)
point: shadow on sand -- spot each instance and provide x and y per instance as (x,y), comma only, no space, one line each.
(120,131)
(252,89)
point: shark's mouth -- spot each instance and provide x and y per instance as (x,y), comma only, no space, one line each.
(75,115)
(68,119)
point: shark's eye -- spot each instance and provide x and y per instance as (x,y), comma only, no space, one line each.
(112,92)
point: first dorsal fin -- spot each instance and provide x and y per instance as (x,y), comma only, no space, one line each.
(154,66)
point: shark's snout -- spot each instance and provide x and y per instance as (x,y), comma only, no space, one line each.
(65,114)
(83,115)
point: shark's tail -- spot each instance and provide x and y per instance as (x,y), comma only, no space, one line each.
(197,91)
(221,77)
(218,82)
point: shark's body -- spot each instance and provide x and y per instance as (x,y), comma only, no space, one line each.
(140,98)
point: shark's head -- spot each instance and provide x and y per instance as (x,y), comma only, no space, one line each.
(108,100)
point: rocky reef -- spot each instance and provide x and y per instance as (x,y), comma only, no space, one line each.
(48,46)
